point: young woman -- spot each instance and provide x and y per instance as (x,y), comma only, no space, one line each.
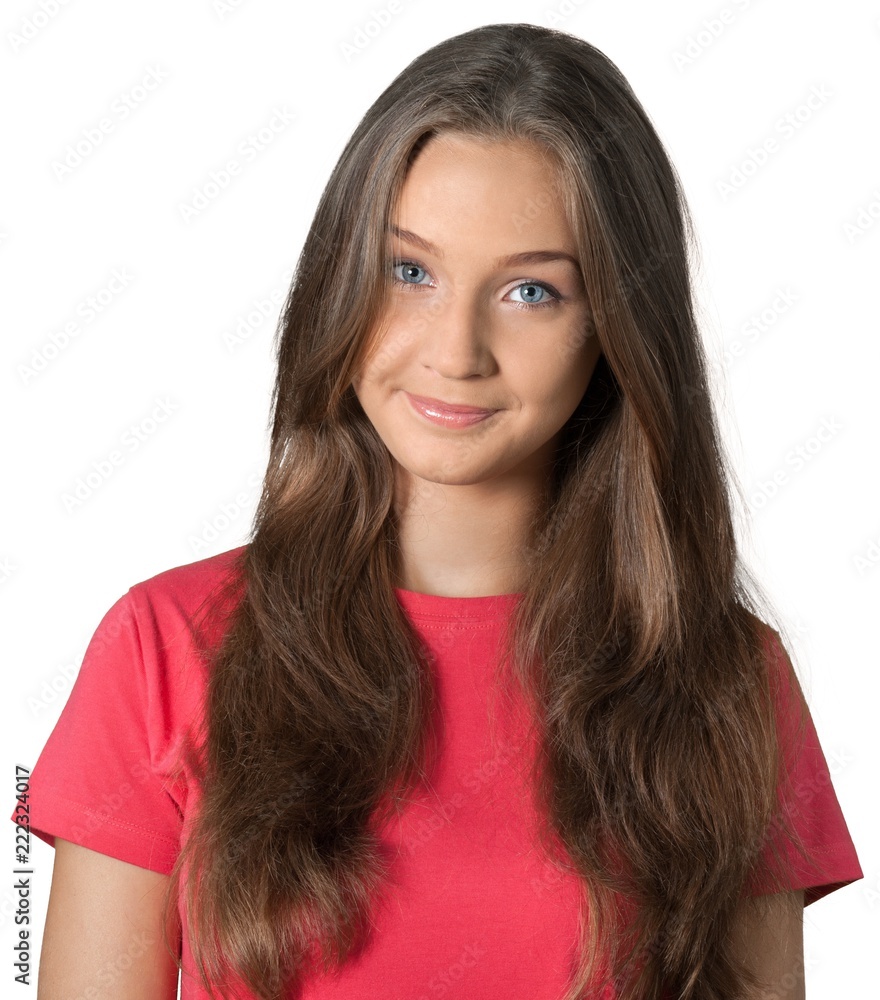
(487,706)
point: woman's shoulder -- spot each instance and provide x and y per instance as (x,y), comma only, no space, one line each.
(178,614)
(187,585)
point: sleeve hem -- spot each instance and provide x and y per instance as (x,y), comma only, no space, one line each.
(121,840)
(814,893)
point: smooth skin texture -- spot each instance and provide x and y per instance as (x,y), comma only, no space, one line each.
(103,933)
(468,328)
(773,945)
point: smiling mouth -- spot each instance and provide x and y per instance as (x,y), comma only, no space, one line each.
(448,414)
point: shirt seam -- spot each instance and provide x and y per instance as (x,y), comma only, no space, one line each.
(111,821)
(436,621)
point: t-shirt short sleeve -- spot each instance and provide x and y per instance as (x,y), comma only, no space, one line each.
(809,800)
(95,782)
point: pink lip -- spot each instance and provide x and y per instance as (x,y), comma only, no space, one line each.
(447,414)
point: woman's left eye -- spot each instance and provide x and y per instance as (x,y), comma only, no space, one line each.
(535,294)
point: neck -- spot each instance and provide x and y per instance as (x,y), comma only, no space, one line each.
(465,541)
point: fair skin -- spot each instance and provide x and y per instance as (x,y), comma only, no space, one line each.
(466,330)
(772,945)
(103,933)
(465,497)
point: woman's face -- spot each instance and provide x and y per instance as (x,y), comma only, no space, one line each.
(466,326)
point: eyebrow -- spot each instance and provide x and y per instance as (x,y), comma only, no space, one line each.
(523,257)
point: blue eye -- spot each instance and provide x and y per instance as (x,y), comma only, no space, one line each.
(408,266)
(533,294)
(537,294)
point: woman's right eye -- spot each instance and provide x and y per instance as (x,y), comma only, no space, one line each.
(410,273)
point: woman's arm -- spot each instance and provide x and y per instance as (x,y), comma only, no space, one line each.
(103,934)
(773,944)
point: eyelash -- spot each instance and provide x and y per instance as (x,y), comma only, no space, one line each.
(554,300)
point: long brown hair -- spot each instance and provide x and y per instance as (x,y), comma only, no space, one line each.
(638,645)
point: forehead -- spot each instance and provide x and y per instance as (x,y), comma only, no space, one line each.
(506,189)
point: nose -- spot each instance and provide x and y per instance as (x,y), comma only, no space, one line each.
(455,341)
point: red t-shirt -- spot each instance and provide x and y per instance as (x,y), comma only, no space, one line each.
(477,910)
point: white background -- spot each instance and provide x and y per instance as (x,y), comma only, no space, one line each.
(805,223)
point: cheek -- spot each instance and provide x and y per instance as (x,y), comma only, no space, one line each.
(542,377)
(389,349)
